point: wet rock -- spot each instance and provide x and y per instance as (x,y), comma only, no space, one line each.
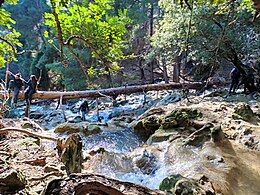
(97,150)
(70,153)
(51,168)
(179,185)
(83,127)
(217,134)
(12,181)
(152,112)
(146,127)
(147,163)
(243,112)
(163,135)
(170,99)
(169,122)
(36,115)
(200,136)
(180,117)
(168,184)
(26,123)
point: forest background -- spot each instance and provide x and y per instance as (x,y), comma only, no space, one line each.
(91,44)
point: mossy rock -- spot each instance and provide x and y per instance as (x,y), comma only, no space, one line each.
(83,127)
(169,122)
(177,184)
(168,184)
(146,127)
(243,112)
(180,117)
(12,181)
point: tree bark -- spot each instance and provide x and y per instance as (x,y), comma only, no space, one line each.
(82,184)
(176,69)
(113,92)
(165,74)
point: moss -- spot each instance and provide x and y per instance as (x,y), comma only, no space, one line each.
(180,117)
(168,184)
(243,112)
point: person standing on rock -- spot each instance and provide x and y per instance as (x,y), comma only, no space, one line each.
(16,85)
(83,109)
(235,77)
(29,91)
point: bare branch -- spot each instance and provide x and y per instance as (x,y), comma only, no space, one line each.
(11,129)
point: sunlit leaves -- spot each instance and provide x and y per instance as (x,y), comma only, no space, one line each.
(9,36)
(95,23)
(171,33)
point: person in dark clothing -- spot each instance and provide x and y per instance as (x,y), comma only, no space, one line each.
(235,77)
(84,108)
(31,89)
(16,84)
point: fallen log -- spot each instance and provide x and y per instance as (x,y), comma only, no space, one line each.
(82,184)
(114,92)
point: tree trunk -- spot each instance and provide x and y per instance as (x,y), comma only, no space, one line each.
(141,71)
(246,71)
(115,91)
(176,69)
(82,184)
(151,64)
(165,74)
(109,78)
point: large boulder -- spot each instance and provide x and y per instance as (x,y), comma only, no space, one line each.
(147,126)
(82,127)
(180,117)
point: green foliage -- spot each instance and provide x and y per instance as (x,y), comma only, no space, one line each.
(169,38)
(9,37)
(96,23)
(207,32)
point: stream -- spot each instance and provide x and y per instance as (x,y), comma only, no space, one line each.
(121,154)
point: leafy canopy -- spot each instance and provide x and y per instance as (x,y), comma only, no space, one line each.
(8,36)
(95,24)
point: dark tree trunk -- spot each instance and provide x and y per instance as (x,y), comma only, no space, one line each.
(142,75)
(151,64)
(246,71)
(176,69)
(165,74)
(70,153)
(109,78)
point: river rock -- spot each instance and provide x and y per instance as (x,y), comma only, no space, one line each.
(146,127)
(147,163)
(200,136)
(12,181)
(83,127)
(243,112)
(177,184)
(180,117)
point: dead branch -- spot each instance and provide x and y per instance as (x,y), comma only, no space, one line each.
(13,129)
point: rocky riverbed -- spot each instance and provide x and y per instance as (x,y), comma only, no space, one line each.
(197,145)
